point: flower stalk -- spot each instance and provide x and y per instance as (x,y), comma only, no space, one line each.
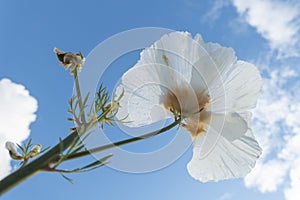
(124,142)
(35,166)
(78,92)
(71,147)
(42,163)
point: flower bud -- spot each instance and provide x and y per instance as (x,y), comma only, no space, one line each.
(12,149)
(35,151)
(69,60)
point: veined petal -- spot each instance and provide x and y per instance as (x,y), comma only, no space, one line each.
(223,57)
(143,94)
(234,126)
(231,126)
(203,72)
(213,61)
(198,38)
(177,50)
(228,159)
(242,86)
(164,67)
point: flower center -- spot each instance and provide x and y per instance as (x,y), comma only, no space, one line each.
(191,106)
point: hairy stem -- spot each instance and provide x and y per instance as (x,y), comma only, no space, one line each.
(123,142)
(78,92)
(51,156)
(35,166)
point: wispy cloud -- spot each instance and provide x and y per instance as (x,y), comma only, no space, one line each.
(216,10)
(276,118)
(277,126)
(17,113)
(276,21)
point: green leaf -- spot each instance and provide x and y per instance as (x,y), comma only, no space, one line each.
(101,161)
(28,145)
(67,178)
(70,119)
(22,149)
(45,149)
(86,98)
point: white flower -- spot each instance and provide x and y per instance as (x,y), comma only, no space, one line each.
(69,60)
(210,89)
(13,152)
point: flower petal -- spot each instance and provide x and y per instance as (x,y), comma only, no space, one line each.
(144,86)
(234,126)
(163,67)
(209,69)
(10,146)
(242,86)
(177,50)
(228,159)
(231,126)
(223,57)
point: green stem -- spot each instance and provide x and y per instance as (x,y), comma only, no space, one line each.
(51,156)
(35,166)
(78,92)
(123,142)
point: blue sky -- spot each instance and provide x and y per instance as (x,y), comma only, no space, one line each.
(31,29)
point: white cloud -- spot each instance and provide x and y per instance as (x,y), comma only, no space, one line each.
(292,193)
(267,176)
(17,110)
(276,124)
(276,118)
(277,21)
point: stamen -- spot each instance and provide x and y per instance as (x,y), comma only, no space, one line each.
(166,60)
(178,103)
